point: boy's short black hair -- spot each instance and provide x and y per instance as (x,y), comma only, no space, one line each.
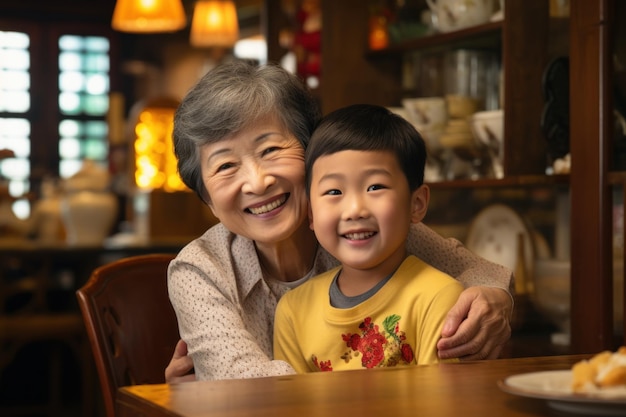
(366,127)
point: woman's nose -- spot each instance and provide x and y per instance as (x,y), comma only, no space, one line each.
(256,179)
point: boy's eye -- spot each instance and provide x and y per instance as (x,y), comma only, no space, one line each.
(375,187)
(333,192)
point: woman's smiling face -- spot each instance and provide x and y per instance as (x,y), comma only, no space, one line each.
(255,181)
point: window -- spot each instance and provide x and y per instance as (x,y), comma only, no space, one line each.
(15,102)
(83,100)
(54,97)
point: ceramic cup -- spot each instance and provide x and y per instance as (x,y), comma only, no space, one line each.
(488,128)
(429,116)
(449,15)
(460,106)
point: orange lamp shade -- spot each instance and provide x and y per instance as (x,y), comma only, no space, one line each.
(214,23)
(148,16)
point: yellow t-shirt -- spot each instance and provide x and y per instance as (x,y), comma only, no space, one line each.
(399,325)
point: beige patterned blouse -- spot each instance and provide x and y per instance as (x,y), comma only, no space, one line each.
(225,308)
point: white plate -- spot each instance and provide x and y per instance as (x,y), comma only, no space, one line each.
(554,386)
(493,234)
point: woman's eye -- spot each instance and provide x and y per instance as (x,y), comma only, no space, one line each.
(224,167)
(270,150)
(333,192)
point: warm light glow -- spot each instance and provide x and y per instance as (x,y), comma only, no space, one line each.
(148,16)
(155,162)
(214,24)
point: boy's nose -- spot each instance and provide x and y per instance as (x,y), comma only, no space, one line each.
(355,208)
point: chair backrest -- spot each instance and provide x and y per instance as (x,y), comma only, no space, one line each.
(130,322)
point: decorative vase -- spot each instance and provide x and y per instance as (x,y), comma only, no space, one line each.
(88,216)
(88,208)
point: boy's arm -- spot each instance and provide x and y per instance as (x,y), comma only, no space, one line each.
(433,322)
(286,346)
(478,326)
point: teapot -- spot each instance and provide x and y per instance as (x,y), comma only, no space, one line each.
(449,15)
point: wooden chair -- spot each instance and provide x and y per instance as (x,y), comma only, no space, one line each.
(130,322)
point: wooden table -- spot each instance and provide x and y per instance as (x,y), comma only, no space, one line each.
(466,389)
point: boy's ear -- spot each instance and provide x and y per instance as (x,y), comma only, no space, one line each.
(419,203)
(311,218)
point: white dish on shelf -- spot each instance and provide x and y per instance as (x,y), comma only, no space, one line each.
(493,234)
(554,386)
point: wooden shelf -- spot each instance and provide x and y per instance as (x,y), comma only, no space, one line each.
(617,178)
(512,181)
(486,36)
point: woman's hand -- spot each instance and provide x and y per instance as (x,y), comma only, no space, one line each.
(180,365)
(478,326)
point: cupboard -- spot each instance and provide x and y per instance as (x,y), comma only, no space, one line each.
(528,39)
(595,43)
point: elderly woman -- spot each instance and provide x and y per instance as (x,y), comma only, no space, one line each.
(239,136)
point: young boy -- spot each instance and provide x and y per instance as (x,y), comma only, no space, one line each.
(364,174)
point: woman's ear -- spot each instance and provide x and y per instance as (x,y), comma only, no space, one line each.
(213,212)
(419,203)
(209,203)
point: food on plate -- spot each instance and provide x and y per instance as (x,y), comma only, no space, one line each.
(606,370)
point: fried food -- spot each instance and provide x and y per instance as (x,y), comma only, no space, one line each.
(605,370)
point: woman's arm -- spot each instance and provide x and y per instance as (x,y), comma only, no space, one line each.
(227,330)
(478,326)
(450,256)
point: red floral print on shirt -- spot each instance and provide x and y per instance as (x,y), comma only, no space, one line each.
(323,366)
(376,348)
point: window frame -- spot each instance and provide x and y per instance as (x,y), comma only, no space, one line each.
(44,113)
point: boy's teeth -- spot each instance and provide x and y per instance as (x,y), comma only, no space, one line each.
(359,236)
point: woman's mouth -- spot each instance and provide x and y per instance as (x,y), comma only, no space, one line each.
(266,208)
(359,235)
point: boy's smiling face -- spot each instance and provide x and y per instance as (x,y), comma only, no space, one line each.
(361,208)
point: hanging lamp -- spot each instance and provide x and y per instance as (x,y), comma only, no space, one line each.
(148,16)
(214,23)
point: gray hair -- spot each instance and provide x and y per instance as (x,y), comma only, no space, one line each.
(232,97)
